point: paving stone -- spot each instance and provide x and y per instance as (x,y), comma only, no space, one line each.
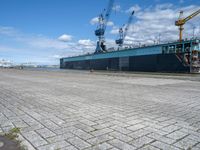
(63,106)
(102,126)
(20,124)
(59,138)
(121,145)
(186,143)
(49,124)
(140,142)
(101,132)
(78,143)
(136,127)
(45,133)
(164,146)
(148,147)
(65,130)
(135,121)
(171,128)
(161,138)
(34,138)
(114,148)
(139,133)
(84,127)
(99,139)
(120,136)
(177,135)
(103,146)
(121,129)
(69,148)
(82,134)
(54,146)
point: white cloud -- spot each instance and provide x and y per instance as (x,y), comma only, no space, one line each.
(116,8)
(135,8)
(110,23)
(151,22)
(65,38)
(87,42)
(8,31)
(94,20)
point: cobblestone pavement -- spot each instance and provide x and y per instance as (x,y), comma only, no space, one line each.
(79,110)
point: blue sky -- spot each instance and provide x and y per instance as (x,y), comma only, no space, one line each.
(42,31)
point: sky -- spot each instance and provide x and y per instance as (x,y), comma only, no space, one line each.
(42,31)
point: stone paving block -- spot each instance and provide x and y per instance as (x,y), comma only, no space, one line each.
(32,128)
(136,127)
(84,127)
(102,126)
(45,133)
(151,129)
(65,130)
(102,146)
(121,145)
(154,125)
(88,122)
(69,148)
(186,143)
(34,138)
(171,128)
(135,121)
(164,146)
(140,142)
(49,124)
(177,135)
(139,133)
(121,129)
(101,132)
(148,147)
(7,128)
(59,138)
(90,112)
(54,146)
(78,143)
(57,120)
(161,138)
(99,139)
(6,124)
(82,134)
(120,136)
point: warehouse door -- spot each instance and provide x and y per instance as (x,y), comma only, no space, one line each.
(124,63)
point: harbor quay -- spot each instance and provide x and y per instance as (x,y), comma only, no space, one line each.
(82,110)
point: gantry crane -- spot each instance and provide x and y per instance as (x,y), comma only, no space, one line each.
(122,33)
(101,28)
(181,21)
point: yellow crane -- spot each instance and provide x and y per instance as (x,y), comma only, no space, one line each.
(181,21)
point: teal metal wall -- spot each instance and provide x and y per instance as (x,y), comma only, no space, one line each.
(116,54)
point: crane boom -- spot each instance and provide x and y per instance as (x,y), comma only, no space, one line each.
(108,12)
(180,22)
(128,24)
(123,32)
(192,16)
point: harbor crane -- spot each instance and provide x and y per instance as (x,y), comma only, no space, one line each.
(101,28)
(123,31)
(181,21)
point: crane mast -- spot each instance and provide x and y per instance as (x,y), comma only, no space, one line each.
(181,21)
(123,32)
(100,31)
